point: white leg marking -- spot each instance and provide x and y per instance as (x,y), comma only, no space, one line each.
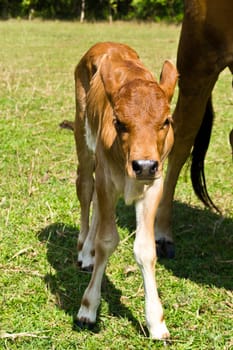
(91,139)
(89,244)
(91,297)
(80,257)
(144,251)
(85,255)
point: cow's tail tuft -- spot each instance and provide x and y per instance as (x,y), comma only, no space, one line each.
(199,150)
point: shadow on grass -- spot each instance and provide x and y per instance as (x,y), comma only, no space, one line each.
(204,244)
(68,283)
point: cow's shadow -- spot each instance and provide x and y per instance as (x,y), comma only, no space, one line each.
(203,254)
(203,242)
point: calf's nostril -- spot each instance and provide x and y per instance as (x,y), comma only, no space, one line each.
(137,168)
(154,167)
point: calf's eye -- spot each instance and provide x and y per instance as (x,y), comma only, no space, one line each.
(166,123)
(120,127)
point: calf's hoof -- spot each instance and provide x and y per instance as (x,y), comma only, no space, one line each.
(79,264)
(83,324)
(160,332)
(88,268)
(165,249)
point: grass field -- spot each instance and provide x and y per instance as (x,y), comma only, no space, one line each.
(40,285)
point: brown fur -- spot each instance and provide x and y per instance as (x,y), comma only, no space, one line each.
(205,49)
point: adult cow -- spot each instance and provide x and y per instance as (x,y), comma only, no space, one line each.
(123,134)
(205,49)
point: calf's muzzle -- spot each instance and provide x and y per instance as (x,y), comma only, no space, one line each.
(145,169)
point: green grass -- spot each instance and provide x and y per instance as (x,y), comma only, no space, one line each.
(40,285)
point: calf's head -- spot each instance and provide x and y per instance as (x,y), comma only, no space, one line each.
(142,119)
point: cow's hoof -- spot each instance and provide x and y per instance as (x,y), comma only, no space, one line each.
(165,249)
(83,324)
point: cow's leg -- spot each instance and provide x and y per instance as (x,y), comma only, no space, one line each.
(145,255)
(105,243)
(188,117)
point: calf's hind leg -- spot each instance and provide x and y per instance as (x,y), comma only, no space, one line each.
(88,249)
(86,164)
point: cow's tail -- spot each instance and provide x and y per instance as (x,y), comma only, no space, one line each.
(200,147)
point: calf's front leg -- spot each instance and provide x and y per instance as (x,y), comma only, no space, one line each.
(144,251)
(106,241)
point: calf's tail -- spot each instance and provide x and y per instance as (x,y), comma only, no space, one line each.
(198,154)
(67,124)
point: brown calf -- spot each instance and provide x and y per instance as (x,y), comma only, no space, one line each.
(205,49)
(123,134)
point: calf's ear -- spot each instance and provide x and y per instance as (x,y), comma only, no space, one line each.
(168,79)
(112,75)
(168,144)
